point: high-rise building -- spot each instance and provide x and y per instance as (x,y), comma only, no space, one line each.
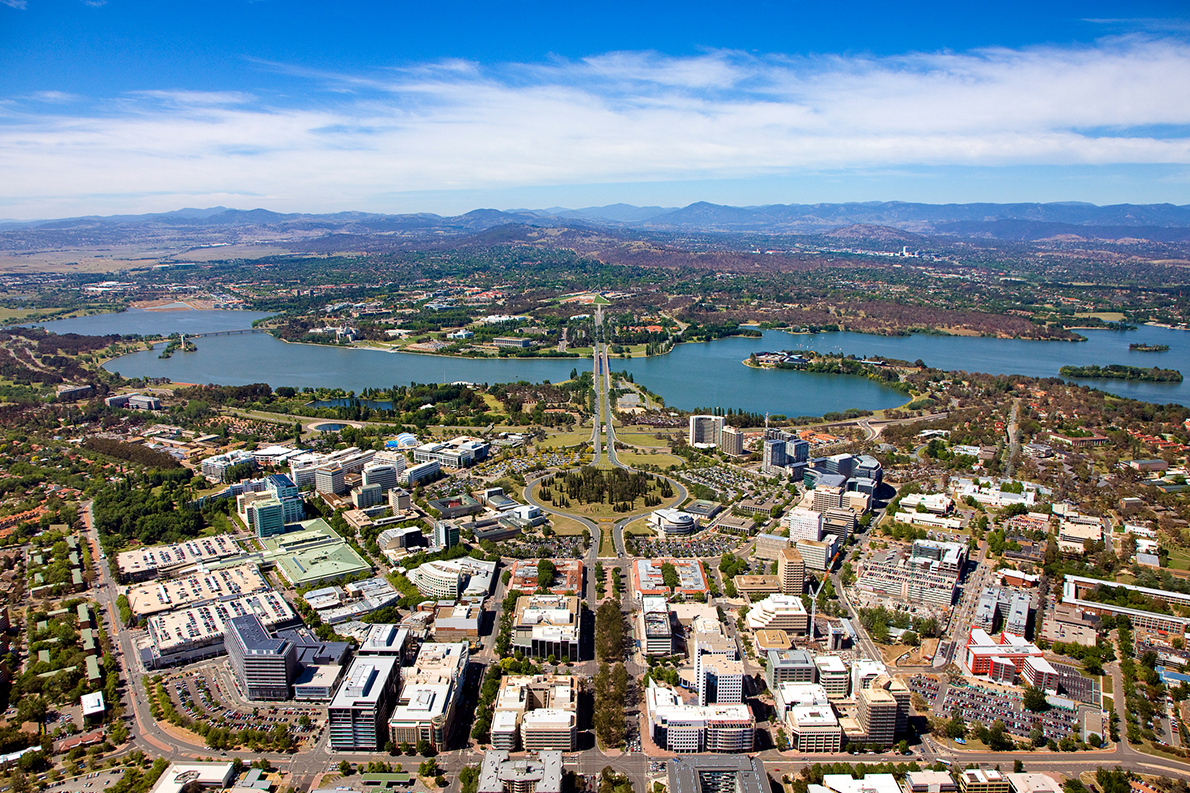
(773,457)
(285,491)
(330,479)
(705,430)
(366,496)
(721,681)
(266,517)
(877,715)
(804,524)
(446,535)
(789,666)
(779,612)
(796,451)
(357,717)
(731,441)
(839,521)
(791,569)
(833,676)
(383,474)
(900,692)
(818,555)
(264,665)
(827,497)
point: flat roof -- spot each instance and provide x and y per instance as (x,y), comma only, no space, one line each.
(364,681)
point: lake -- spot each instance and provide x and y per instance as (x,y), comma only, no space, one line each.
(692,375)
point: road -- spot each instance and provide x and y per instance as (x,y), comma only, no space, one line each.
(1014,439)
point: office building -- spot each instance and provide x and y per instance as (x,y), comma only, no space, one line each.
(901,694)
(772,457)
(538,772)
(383,474)
(789,666)
(458,622)
(1011,606)
(399,501)
(1032,783)
(877,711)
(197,632)
(303,467)
(366,496)
(385,639)
(803,524)
(648,580)
(981,780)
(414,475)
(264,665)
(705,430)
(446,535)
(685,729)
(568,576)
(675,522)
(864,672)
(357,718)
(840,522)
(833,676)
(545,625)
(1001,660)
(779,612)
(731,441)
(818,555)
(266,517)
(797,695)
(717,775)
(330,479)
(791,569)
(429,695)
(539,709)
(768,546)
(721,681)
(827,497)
(932,782)
(454,578)
(927,572)
(814,729)
(655,628)
(460,452)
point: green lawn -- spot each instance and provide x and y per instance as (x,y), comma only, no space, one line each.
(640,439)
(1106,683)
(1179,559)
(637,458)
(561,440)
(566,526)
(638,528)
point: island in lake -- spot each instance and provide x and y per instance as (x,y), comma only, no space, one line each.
(1148,347)
(1119,372)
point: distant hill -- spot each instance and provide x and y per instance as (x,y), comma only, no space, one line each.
(890,221)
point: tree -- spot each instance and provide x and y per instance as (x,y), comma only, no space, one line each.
(1035,700)
(669,576)
(1017,766)
(956,727)
(910,638)
(345,768)
(998,739)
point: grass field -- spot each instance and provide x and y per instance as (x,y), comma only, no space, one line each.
(637,458)
(566,526)
(561,440)
(1105,682)
(638,528)
(493,404)
(1179,558)
(1106,316)
(640,439)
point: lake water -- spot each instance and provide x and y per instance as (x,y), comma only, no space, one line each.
(692,375)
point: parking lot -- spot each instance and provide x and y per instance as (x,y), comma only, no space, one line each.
(1074,685)
(983,705)
(198,695)
(700,545)
(727,482)
(87,783)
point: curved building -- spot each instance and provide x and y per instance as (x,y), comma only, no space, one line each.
(673,522)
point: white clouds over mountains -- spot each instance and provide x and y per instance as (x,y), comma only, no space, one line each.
(339,141)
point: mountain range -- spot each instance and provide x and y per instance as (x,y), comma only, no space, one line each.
(1024,221)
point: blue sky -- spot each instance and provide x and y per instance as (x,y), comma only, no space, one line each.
(122,106)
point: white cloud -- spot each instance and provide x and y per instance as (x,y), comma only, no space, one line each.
(611,118)
(21,4)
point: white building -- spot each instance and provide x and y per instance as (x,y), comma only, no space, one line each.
(804,524)
(672,521)
(685,729)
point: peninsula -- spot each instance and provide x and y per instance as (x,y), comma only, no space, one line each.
(1120,372)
